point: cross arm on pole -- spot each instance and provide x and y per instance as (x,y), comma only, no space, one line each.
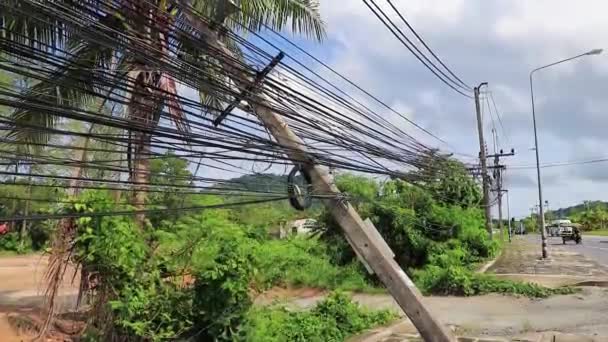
(258,80)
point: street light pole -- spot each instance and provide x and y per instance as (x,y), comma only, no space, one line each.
(540,189)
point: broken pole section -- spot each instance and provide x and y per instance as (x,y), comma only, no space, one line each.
(365,244)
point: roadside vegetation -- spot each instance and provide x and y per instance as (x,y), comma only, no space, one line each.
(333,319)
(197,273)
(436,228)
(194,275)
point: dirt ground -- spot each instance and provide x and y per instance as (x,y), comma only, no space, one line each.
(22,297)
(490,315)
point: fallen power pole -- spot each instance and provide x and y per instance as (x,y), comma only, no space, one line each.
(482,159)
(363,238)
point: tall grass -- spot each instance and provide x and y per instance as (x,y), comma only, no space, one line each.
(304,261)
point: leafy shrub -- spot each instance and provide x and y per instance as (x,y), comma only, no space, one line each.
(416,221)
(221,292)
(131,297)
(333,319)
(303,262)
(457,280)
(10,242)
(112,247)
(39,233)
(349,316)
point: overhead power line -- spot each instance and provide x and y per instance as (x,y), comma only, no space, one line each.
(454,84)
(504,130)
(338,133)
(341,76)
(401,16)
(560,164)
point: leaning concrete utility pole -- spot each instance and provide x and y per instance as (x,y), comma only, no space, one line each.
(482,160)
(363,237)
(387,269)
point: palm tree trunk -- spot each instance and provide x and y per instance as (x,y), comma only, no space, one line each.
(26,211)
(144,110)
(146,102)
(81,157)
(14,209)
(141,166)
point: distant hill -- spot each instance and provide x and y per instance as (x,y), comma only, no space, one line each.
(268,182)
(569,211)
(269,214)
(262,182)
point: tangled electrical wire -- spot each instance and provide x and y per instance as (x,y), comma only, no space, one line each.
(147,79)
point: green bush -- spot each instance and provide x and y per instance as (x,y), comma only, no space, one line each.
(131,297)
(303,262)
(417,221)
(10,242)
(460,281)
(35,238)
(333,319)
(221,292)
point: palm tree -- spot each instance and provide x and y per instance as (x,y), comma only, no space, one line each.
(92,67)
(89,67)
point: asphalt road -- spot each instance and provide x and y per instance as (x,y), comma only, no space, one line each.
(593,247)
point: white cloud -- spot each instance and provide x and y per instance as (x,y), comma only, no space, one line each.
(552,29)
(549,21)
(499,42)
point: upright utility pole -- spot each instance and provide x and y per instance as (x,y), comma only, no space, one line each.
(509,215)
(497,172)
(363,237)
(498,177)
(482,159)
(499,202)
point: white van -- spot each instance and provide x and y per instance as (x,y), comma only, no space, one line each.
(556,226)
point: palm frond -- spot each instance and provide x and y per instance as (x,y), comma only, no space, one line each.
(76,83)
(303,16)
(28,22)
(177,114)
(209,70)
(18,23)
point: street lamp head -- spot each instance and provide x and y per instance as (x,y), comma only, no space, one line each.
(594,52)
